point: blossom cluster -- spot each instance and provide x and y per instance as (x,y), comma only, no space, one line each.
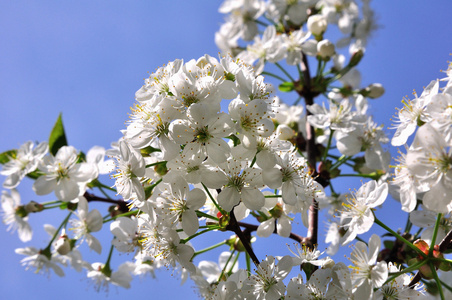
(424,171)
(209,148)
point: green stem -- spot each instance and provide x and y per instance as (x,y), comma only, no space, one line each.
(261,23)
(201,227)
(126,214)
(342,160)
(234,263)
(361,240)
(106,269)
(100,184)
(58,231)
(213,200)
(371,176)
(52,202)
(446,285)
(333,192)
(330,138)
(225,265)
(101,189)
(273,75)
(300,72)
(273,196)
(319,68)
(285,72)
(399,237)
(198,234)
(412,268)
(50,207)
(248,262)
(438,282)
(449,261)
(435,234)
(253,161)
(297,101)
(417,233)
(156,163)
(202,214)
(209,248)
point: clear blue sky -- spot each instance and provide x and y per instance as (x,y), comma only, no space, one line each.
(86,59)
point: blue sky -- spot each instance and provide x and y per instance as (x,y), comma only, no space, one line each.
(87,59)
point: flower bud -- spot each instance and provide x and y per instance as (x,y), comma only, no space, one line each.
(356,58)
(33,206)
(63,246)
(325,49)
(375,90)
(284,132)
(317,24)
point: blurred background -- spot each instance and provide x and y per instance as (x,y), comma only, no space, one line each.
(86,59)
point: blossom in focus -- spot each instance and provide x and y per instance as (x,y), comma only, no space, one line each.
(63,175)
(413,114)
(267,283)
(177,203)
(429,159)
(357,216)
(130,168)
(366,269)
(398,288)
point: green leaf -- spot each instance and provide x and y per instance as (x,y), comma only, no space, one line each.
(286,87)
(235,139)
(34,175)
(7,155)
(57,137)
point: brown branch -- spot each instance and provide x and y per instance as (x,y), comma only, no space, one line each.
(445,243)
(122,205)
(306,93)
(234,226)
(415,280)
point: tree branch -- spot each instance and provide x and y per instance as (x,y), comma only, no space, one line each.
(445,243)
(234,226)
(306,93)
(122,205)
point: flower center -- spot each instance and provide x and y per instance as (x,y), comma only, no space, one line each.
(203,135)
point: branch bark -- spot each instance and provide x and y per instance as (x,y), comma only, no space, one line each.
(306,93)
(234,226)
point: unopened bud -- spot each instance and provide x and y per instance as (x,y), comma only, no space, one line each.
(317,24)
(375,90)
(33,206)
(356,58)
(63,246)
(325,49)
